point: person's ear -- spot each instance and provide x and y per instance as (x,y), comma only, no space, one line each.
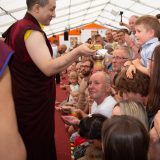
(36,8)
(152,32)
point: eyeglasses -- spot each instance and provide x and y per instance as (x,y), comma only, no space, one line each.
(119,58)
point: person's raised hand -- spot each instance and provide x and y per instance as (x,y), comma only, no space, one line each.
(121,24)
(85,50)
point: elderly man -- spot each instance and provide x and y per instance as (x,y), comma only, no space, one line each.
(120,56)
(32,69)
(99,90)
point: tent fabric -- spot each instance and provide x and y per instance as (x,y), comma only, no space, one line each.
(72,14)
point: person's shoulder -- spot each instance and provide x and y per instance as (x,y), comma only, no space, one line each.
(109,100)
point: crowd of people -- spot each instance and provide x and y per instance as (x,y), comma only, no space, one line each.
(124,89)
(113,106)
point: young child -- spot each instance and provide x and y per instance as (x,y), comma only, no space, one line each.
(147,33)
(73,86)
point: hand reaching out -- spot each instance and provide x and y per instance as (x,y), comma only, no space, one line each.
(71,120)
(84,50)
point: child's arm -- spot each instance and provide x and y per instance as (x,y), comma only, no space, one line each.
(141,68)
(136,65)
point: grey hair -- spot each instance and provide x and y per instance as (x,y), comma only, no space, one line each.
(30,3)
(127,50)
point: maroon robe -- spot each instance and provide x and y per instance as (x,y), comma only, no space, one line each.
(33,93)
(5,56)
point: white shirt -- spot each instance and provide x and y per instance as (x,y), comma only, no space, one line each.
(55,51)
(105,108)
(73,88)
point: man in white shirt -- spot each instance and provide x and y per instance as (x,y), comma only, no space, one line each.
(99,90)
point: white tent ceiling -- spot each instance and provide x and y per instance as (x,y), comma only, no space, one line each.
(75,13)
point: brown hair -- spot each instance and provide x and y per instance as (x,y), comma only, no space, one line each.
(149,22)
(31,3)
(123,138)
(139,83)
(154,88)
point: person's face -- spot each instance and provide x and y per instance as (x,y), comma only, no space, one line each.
(118,59)
(85,68)
(132,22)
(97,87)
(99,40)
(73,80)
(115,36)
(47,12)
(109,36)
(78,67)
(116,111)
(142,34)
(61,49)
(121,37)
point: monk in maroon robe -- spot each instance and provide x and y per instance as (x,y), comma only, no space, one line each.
(32,69)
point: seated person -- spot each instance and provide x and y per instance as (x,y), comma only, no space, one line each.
(132,108)
(90,129)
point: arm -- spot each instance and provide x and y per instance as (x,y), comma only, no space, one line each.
(11,145)
(136,65)
(132,45)
(40,55)
(124,24)
(141,68)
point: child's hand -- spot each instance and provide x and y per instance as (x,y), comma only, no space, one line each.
(130,71)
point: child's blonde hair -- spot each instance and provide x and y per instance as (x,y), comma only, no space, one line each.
(73,74)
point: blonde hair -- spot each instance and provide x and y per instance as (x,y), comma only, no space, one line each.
(134,109)
(73,74)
